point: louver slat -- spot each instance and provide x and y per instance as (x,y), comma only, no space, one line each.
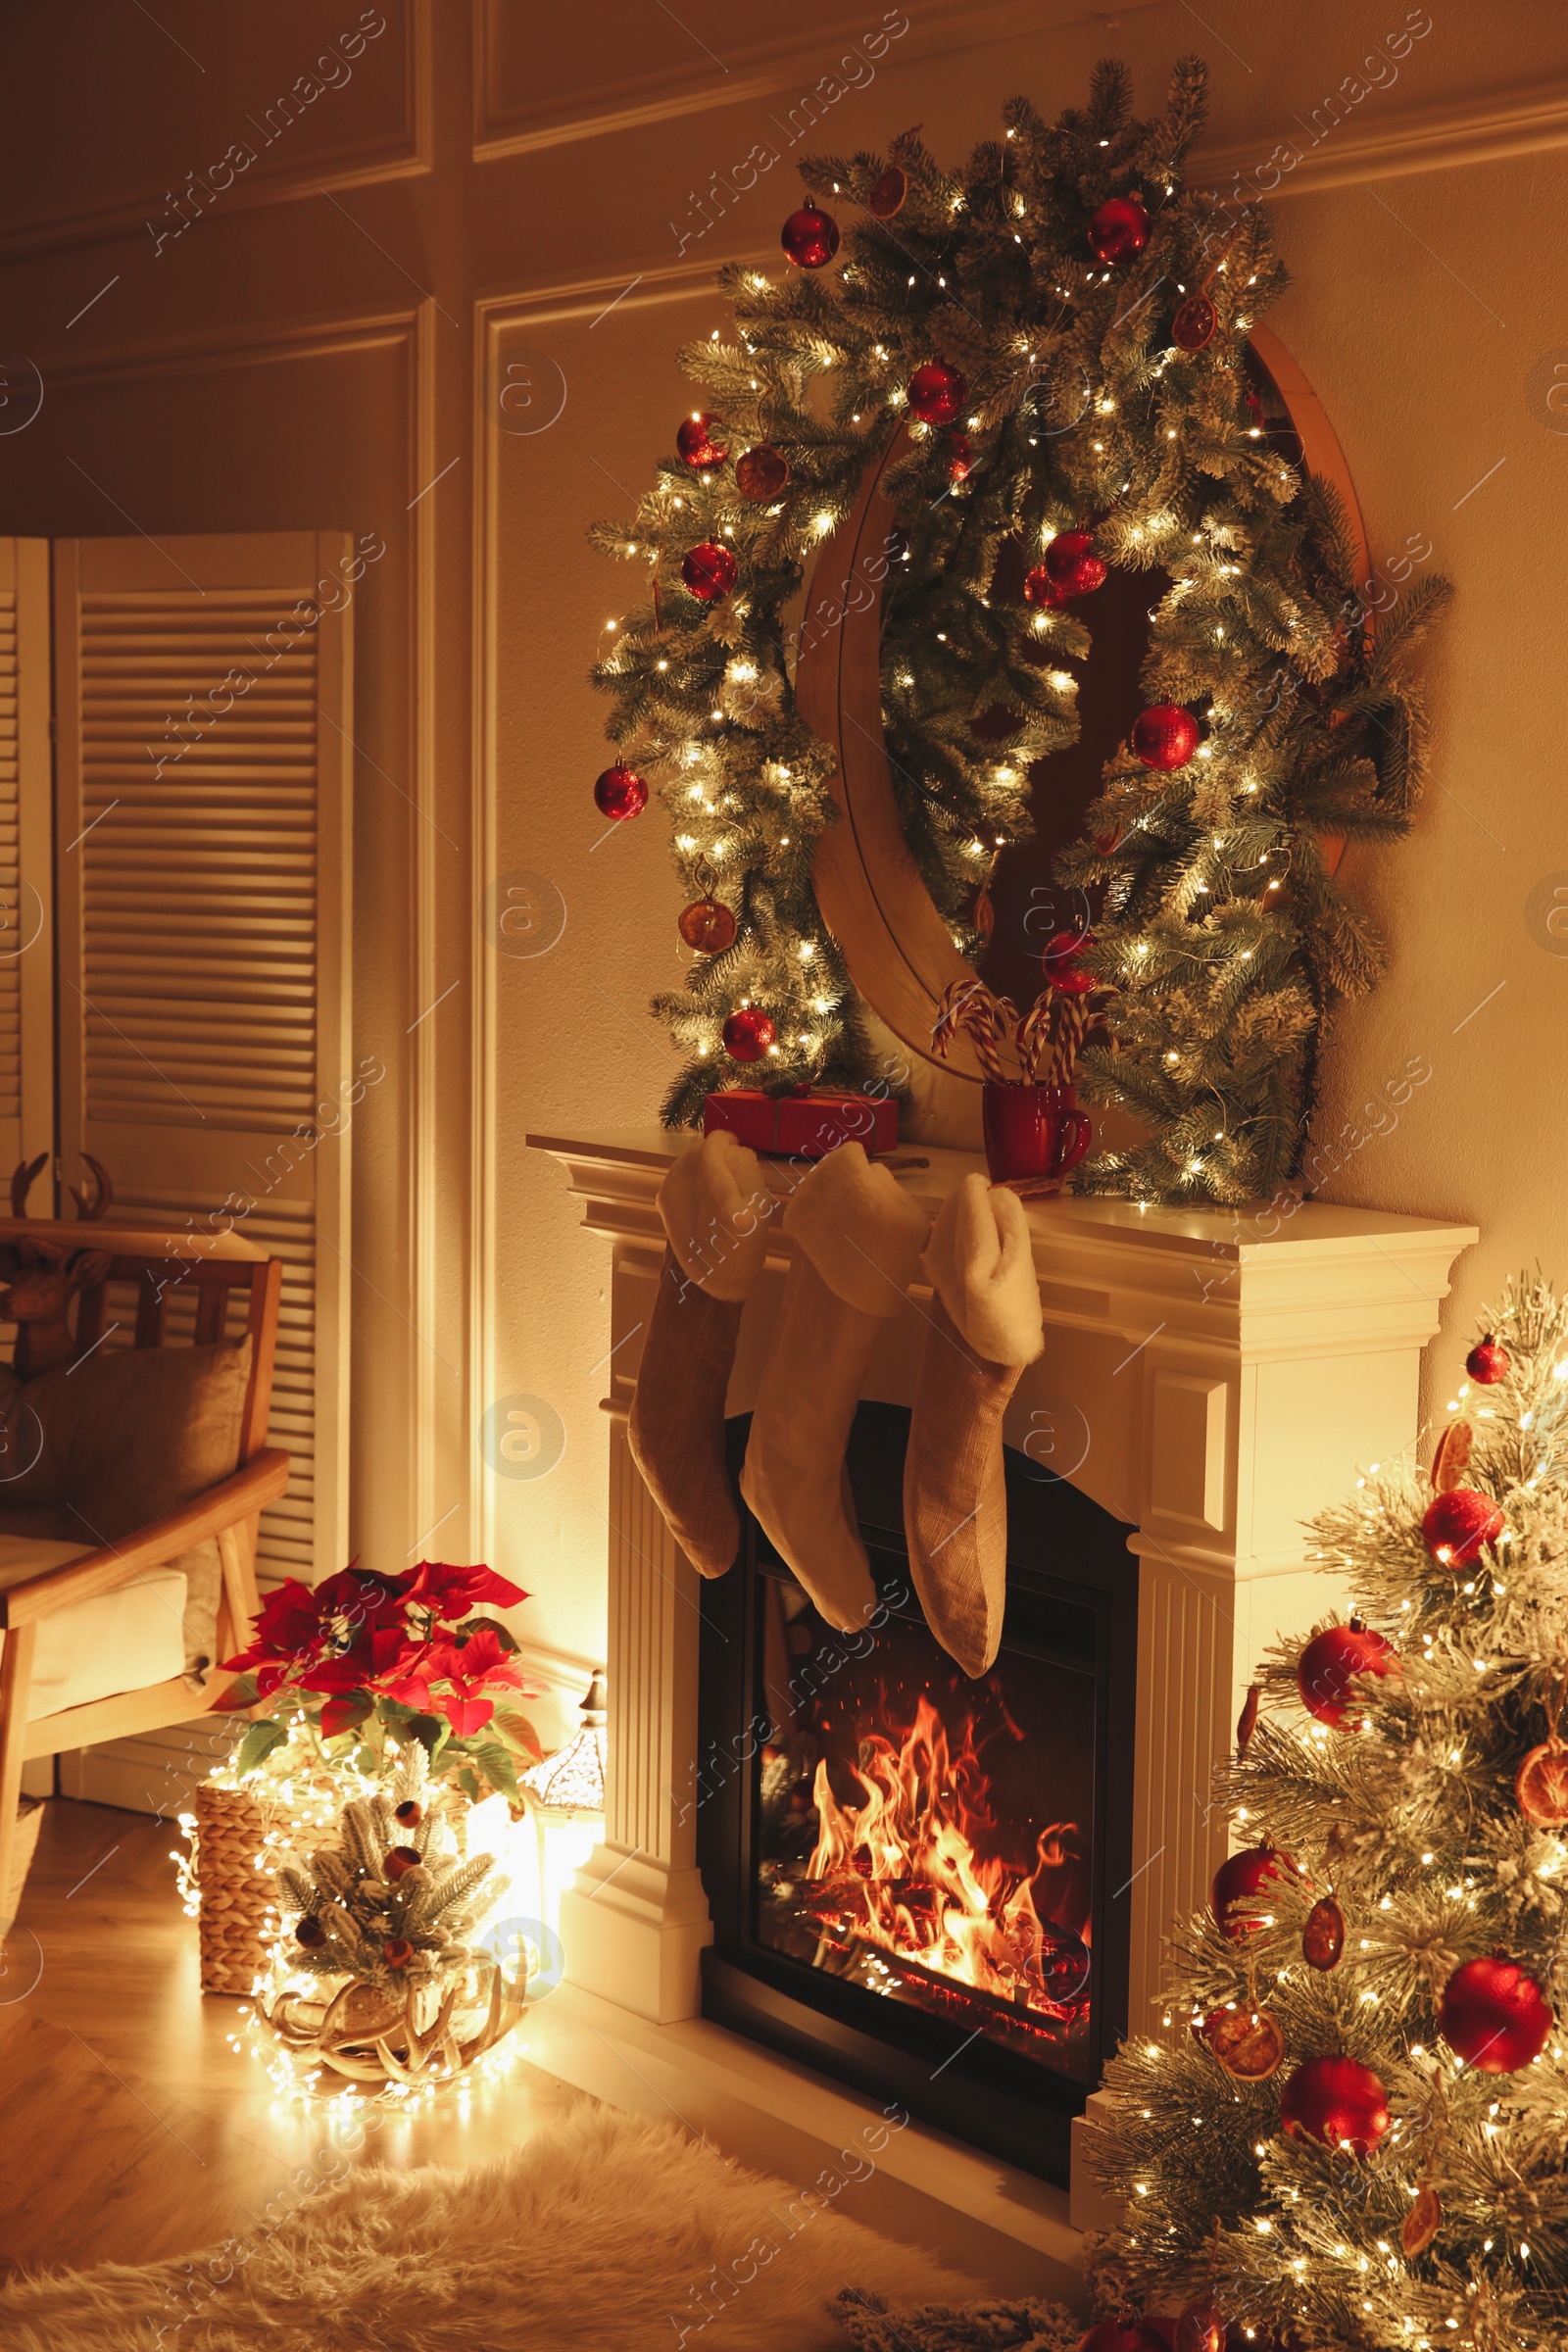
(203,893)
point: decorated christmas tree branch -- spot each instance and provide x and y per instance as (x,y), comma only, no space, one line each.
(1347,2126)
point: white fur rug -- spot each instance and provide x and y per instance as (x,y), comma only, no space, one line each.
(610,2233)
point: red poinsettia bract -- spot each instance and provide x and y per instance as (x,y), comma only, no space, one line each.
(470,1667)
(449,1592)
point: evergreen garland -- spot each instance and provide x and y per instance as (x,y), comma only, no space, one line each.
(1221,928)
(1409,1812)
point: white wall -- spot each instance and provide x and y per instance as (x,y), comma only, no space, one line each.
(494,178)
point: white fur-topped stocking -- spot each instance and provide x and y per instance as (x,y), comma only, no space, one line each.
(985,1327)
(857,1240)
(715,1211)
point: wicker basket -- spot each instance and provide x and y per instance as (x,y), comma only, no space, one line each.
(29,1821)
(234,1895)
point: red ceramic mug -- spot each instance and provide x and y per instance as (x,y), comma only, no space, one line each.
(1033,1131)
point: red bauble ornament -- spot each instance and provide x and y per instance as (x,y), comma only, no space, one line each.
(1042,592)
(1200,2327)
(621,792)
(748,1034)
(695,442)
(888,193)
(1060,963)
(707,925)
(1337,2101)
(398,1863)
(409,1813)
(1073,564)
(761,473)
(1119,230)
(709,571)
(1330,1663)
(1192,327)
(1494,2016)
(398,1952)
(1165,736)
(960,457)
(1541,1786)
(1237,1884)
(1128,2336)
(937,392)
(309,1934)
(1487,1363)
(1457,1524)
(810,237)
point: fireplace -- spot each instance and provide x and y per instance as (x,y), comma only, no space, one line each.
(919,1882)
(1210,1381)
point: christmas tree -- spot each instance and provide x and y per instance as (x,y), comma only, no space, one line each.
(1348,2127)
(1052,339)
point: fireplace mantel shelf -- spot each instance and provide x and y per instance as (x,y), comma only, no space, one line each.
(1213,1378)
(1327,1273)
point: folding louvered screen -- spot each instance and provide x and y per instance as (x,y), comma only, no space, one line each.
(27,898)
(203,726)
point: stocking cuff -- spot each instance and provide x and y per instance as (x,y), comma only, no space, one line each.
(715,1211)
(859,1231)
(980,1262)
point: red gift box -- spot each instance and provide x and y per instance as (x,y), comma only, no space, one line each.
(807,1124)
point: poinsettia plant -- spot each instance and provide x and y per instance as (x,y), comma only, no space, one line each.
(367,1662)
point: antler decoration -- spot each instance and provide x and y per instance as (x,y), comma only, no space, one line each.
(102,1195)
(43,1274)
(21,1183)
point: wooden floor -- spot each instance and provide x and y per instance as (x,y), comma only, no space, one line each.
(131,2130)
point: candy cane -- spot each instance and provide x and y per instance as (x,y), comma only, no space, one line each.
(1034,1035)
(1075,1020)
(969,1004)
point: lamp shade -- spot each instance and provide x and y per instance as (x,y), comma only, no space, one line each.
(572,1778)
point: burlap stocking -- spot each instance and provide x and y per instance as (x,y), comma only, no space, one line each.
(857,1239)
(716,1209)
(985,1327)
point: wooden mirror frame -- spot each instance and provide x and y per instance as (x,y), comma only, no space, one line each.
(899,951)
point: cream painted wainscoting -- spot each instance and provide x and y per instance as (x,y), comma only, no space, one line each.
(440,302)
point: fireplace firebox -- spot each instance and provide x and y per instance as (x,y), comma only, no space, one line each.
(919,1882)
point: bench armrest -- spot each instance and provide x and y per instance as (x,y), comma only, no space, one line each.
(262,1480)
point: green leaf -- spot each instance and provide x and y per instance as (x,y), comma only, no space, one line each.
(518,1731)
(258,1744)
(497,1767)
(469,1783)
(367,1759)
(431,1731)
(241,1692)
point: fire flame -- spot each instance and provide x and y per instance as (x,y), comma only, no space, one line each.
(901,1871)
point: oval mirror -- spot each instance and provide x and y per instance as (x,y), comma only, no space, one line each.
(900,952)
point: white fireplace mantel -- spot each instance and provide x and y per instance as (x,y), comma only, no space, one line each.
(1212,1379)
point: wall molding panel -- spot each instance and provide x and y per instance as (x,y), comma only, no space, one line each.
(406,154)
(508,125)
(1480,131)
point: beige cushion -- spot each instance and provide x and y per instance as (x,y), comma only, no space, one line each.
(115,1642)
(97,1452)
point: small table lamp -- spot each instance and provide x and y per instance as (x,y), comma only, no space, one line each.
(565,1795)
